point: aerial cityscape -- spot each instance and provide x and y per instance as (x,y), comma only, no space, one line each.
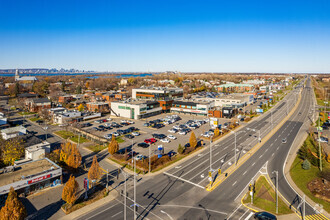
(165,110)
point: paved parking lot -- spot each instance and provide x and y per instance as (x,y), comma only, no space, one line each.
(146,132)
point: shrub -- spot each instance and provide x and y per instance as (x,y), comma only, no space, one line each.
(306,165)
(180,149)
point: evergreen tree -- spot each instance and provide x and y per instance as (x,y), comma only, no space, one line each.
(78,90)
(113,146)
(16,90)
(70,190)
(94,171)
(306,165)
(193,140)
(14,208)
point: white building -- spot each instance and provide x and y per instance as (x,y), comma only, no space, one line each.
(13,132)
(254,81)
(123,82)
(188,107)
(65,116)
(157,93)
(24,78)
(3,119)
(234,100)
(136,109)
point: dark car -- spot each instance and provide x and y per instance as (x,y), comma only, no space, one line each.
(124,123)
(124,150)
(120,132)
(132,153)
(129,136)
(264,216)
(133,128)
(143,145)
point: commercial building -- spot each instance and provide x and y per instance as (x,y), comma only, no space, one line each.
(65,99)
(28,177)
(157,93)
(163,95)
(193,108)
(234,100)
(102,107)
(65,117)
(38,104)
(135,109)
(13,132)
(232,87)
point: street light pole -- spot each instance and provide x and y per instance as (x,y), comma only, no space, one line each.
(134,189)
(235,151)
(276,172)
(211,154)
(318,134)
(149,159)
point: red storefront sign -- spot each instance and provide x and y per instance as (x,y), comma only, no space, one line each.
(39,179)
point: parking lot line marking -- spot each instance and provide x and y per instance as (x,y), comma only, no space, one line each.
(179,178)
(234,183)
(245,172)
(116,214)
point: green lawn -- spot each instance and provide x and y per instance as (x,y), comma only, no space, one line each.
(302,177)
(26,113)
(64,134)
(81,140)
(34,119)
(120,140)
(265,204)
(97,148)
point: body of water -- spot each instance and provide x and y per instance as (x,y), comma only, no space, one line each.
(97,75)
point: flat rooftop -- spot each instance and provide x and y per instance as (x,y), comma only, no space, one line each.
(26,169)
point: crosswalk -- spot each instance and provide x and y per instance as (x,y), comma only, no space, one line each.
(316,217)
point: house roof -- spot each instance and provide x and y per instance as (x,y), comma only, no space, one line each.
(40,100)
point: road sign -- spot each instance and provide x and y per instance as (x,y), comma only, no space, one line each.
(251,193)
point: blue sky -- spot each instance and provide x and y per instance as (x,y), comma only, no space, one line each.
(160,35)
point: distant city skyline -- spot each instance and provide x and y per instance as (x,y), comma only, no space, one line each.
(157,36)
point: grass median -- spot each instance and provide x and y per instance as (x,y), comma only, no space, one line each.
(265,198)
(68,134)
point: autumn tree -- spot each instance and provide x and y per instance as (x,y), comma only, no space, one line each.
(69,193)
(216,132)
(66,149)
(14,208)
(193,140)
(94,171)
(74,159)
(78,89)
(11,151)
(180,149)
(81,107)
(41,88)
(113,146)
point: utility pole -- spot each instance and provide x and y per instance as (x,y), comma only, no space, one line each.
(304,206)
(134,189)
(149,159)
(320,153)
(235,150)
(107,179)
(125,194)
(276,172)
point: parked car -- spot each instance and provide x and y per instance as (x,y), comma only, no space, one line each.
(130,122)
(150,140)
(108,136)
(182,132)
(98,121)
(129,136)
(146,124)
(165,140)
(135,133)
(143,145)
(171,137)
(139,157)
(116,134)
(132,154)
(104,120)
(173,130)
(123,121)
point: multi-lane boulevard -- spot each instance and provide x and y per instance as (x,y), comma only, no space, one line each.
(179,193)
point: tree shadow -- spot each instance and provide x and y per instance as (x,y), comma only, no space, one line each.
(44,213)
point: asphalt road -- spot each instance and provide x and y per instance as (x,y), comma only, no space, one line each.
(166,196)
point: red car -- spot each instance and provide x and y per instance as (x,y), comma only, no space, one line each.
(104,120)
(150,141)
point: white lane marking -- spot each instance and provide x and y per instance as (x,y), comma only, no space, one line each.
(184,180)
(193,207)
(234,211)
(244,172)
(260,156)
(277,148)
(272,154)
(244,214)
(266,150)
(249,216)
(101,211)
(116,214)
(234,183)
(216,153)
(276,139)
(253,163)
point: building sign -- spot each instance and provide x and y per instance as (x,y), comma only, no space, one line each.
(39,179)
